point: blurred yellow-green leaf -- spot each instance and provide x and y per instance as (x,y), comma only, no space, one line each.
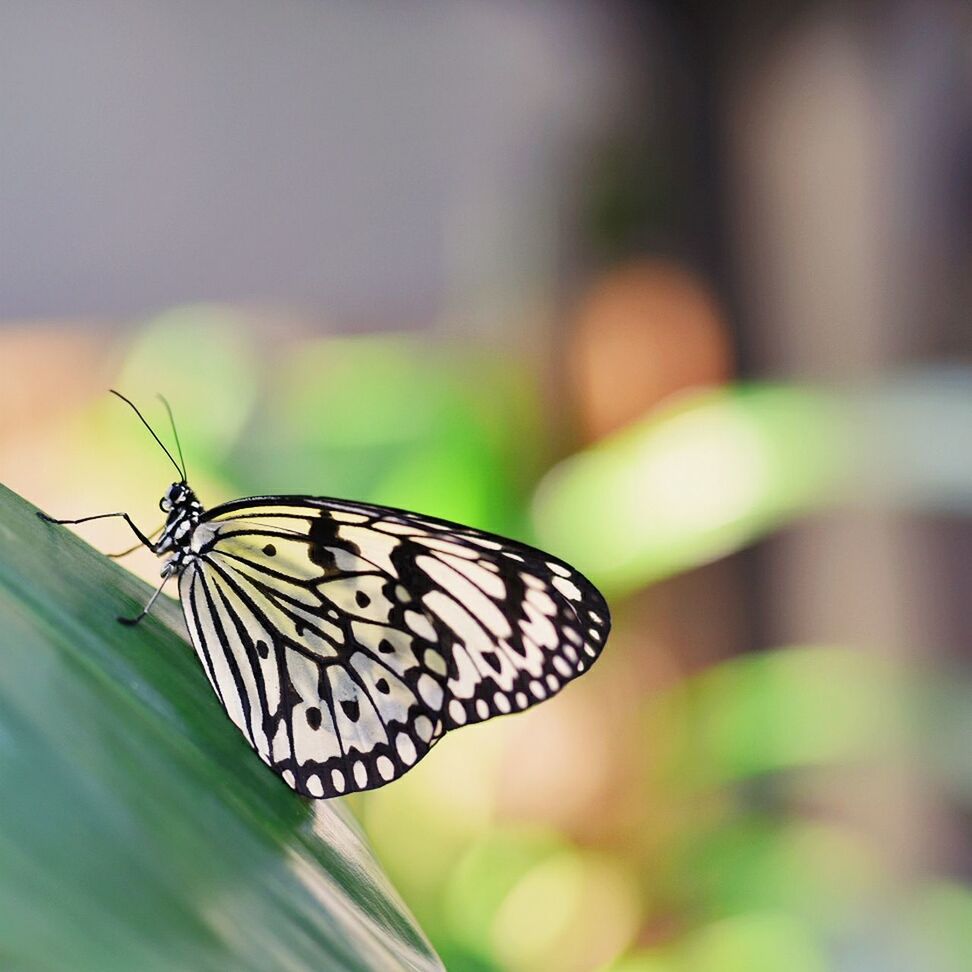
(700,479)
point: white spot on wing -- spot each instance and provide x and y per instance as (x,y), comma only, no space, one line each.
(399,529)
(434,662)
(567,587)
(561,665)
(406,748)
(386,768)
(431,691)
(542,600)
(483,542)
(420,624)
(280,747)
(341,517)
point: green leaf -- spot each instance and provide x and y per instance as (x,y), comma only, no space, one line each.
(137,828)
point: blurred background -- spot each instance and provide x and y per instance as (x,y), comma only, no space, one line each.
(679,291)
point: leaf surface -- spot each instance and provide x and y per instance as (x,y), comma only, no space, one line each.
(137,828)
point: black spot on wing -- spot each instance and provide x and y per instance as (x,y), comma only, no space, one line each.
(492,660)
(324,534)
(351,709)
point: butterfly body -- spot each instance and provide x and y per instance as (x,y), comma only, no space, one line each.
(345,639)
(183,514)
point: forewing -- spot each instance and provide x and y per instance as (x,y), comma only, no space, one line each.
(410,624)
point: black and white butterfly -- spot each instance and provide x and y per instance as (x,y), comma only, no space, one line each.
(344,639)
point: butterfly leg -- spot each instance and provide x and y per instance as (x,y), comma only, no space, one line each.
(142,539)
(138,546)
(148,607)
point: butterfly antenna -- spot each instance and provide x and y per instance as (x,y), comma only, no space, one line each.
(175,434)
(151,430)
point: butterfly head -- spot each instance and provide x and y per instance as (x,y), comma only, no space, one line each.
(178,494)
(182,511)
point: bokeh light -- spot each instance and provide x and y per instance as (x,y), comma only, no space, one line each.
(644,331)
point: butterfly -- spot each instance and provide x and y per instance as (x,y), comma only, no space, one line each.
(344,639)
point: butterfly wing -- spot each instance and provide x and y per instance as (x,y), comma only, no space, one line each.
(344,639)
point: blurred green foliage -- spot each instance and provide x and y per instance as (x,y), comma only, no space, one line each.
(693,481)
